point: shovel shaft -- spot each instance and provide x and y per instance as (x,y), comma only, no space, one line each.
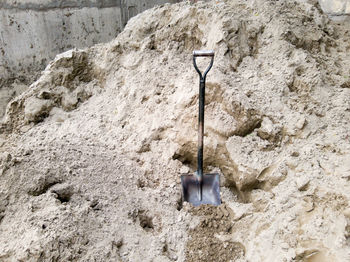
(200,136)
(201,128)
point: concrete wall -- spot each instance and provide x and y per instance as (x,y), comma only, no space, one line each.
(29,38)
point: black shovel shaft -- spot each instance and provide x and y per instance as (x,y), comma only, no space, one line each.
(201,128)
(202,79)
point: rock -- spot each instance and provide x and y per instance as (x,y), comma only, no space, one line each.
(36,109)
(118,243)
(64,192)
(69,102)
(303,182)
(268,129)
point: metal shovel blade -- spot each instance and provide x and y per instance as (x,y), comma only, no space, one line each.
(210,189)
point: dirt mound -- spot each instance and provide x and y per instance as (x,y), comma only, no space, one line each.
(210,240)
(92,152)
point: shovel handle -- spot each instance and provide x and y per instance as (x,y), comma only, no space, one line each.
(203,53)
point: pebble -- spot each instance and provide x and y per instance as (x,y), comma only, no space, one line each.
(284,246)
(302,183)
(295,154)
(346,212)
(119,242)
(25,129)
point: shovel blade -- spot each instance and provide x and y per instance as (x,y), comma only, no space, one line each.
(210,189)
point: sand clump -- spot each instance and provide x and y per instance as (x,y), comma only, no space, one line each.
(92,153)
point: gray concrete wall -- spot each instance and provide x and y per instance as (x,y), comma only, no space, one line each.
(29,38)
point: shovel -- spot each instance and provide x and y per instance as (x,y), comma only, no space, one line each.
(199,189)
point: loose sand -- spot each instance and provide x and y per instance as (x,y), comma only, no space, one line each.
(91,154)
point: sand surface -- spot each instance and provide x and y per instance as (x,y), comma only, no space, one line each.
(91,154)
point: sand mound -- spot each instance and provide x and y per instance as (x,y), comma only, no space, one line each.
(92,152)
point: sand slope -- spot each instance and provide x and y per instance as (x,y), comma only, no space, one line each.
(92,153)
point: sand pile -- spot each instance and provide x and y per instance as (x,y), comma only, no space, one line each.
(92,153)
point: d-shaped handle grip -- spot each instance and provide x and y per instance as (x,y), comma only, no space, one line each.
(203,53)
(197,53)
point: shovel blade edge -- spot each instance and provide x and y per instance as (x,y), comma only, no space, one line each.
(210,189)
